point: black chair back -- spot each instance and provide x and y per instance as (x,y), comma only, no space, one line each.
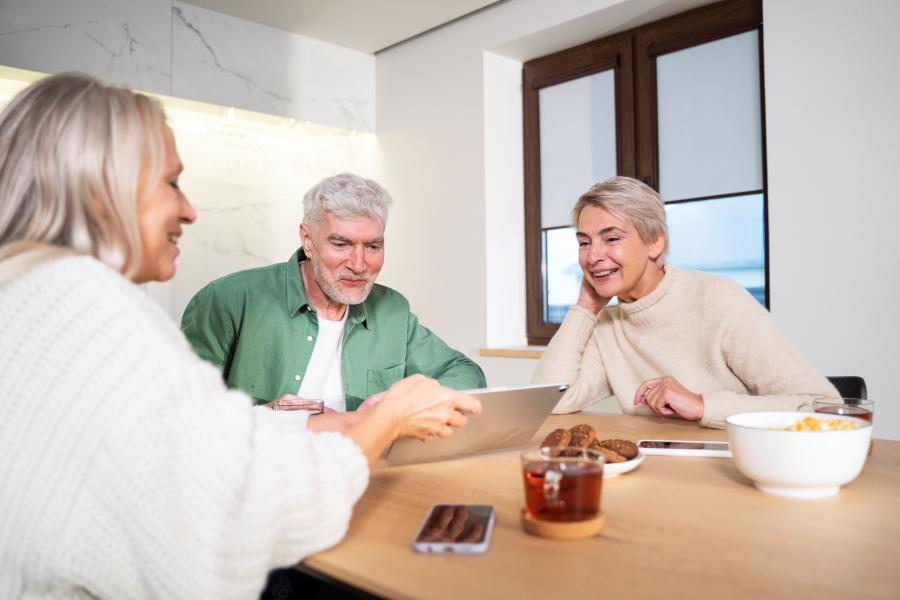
(850,386)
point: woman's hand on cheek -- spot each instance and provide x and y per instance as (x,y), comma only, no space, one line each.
(666,396)
(589,298)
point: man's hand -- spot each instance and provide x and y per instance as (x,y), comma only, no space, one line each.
(666,397)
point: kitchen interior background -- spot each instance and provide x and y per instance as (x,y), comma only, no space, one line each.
(446,110)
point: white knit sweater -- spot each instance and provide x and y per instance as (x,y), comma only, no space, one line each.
(705,331)
(128,470)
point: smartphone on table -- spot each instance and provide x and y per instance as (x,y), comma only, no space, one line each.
(684,448)
(455,529)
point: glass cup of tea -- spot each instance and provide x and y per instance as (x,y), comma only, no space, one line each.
(562,484)
(850,407)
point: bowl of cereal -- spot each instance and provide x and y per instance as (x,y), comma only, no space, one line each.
(798,454)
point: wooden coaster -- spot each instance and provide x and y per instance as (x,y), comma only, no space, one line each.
(562,530)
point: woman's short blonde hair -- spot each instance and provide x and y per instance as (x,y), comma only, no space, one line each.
(628,198)
(75,155)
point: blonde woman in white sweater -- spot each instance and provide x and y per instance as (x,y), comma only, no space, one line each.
(679,343)
(129,470)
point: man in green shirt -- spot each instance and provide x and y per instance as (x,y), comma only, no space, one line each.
(318,327)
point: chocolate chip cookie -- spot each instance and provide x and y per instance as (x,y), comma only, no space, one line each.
(570,451)
(623,447)
(611,455)
(557,437)
(582,435)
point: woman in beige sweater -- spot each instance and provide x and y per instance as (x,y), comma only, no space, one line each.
(679,343)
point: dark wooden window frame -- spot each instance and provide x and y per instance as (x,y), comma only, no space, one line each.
(632,57)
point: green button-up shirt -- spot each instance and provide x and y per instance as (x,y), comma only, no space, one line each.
(260,329)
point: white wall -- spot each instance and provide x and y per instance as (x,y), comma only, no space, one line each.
(452,159)
(832,74)
(504,188)
(449,114)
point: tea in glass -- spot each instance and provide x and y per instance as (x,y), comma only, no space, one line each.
(561,484)
(850,407)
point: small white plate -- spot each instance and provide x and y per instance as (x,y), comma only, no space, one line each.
(616,469)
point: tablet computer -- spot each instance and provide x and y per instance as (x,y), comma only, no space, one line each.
(509,418)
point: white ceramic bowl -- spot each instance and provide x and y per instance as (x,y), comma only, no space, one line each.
(799,464)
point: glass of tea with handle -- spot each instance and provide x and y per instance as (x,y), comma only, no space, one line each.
(850,407)
(562,490)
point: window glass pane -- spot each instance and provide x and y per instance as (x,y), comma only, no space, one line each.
(578,142)
(562,275)
(722,236)
(709,123)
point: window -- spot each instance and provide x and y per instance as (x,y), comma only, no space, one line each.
(677,104)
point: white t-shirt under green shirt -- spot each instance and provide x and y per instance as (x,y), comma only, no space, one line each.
(322,380)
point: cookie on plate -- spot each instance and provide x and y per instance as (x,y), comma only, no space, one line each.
(611,455)
(624,447)
(557,437)
(582,435)
(570,451)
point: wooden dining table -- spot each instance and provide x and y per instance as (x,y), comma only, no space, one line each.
(675,527)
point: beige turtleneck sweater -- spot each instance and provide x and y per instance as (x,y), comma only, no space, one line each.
(705,331)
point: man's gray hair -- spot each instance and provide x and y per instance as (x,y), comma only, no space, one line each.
(346,195)
(628,198)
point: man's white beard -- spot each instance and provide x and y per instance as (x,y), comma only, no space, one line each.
(333,290)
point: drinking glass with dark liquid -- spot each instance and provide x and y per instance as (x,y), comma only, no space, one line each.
(850,407)
(562,484)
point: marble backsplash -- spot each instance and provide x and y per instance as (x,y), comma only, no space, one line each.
(226,60)
(126,42)
(178,49)
(245,173)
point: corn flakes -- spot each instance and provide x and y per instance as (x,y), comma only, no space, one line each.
(817,424)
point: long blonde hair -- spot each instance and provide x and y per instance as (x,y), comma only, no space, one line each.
(75,154)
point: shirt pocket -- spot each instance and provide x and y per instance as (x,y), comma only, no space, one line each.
(381,379)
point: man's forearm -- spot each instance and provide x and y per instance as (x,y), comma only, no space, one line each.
(463,374)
